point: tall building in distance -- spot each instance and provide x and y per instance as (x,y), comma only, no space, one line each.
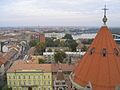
(38,37)
(99,69)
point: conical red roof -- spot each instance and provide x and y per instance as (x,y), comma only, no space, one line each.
(101,64)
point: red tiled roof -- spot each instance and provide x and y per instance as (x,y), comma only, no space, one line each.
(64,67)
(31,51)
(101,64)
(1,63)
(7,56)
(23,65)
(2,60)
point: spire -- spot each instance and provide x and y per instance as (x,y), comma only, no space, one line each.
(105,17)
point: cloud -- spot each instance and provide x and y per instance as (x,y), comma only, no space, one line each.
(52,11)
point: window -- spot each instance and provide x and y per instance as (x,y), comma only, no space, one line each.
(63,82)
(44,83)
(34,77)
(14,83)
(48,76)
(116,51)
(39,82)
(88,86)
(34,82)
(23,77)
(14,88)
(29,77)
(92,50)
(104,52)
(48,82)
(29,82)
(19,77)
(10,83)
(13,77)
(19,82)
(44,77)
(34,88)
(24,83)
(60,88)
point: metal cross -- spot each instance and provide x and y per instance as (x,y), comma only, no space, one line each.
(105,18)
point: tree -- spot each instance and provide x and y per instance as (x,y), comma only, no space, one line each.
(62,44)
(40,48)
(68,36)
(84,48)
(50,42)
(90,41)
(71,44)
(59,56)
(33,43)
(57,43)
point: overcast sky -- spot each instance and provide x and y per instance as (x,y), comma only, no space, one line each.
(58,12)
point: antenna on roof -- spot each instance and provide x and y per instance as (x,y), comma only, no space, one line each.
(105,17)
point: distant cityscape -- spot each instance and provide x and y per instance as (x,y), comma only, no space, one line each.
(58,57)
(30,54)
(77,29)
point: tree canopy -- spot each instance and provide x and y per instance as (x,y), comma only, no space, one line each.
(59,56)
(50,42)
(40,48)
(68,36)
(71,44)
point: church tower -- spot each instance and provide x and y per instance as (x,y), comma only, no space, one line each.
(99,69)
(60,82)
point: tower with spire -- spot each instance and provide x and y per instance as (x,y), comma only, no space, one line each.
(60,82)
(99,68)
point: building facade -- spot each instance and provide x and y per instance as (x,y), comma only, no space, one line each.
(38,37)
(29,80)
(60,82)
(49,56)
(29,77)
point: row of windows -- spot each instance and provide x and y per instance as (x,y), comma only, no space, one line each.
(104,51)
(10,83)
(29,77)
(34,88)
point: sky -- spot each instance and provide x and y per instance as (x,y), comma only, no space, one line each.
(58,12)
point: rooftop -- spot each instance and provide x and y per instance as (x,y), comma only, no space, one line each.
(101,64)
(23,65)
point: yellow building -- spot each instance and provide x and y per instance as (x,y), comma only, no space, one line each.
(23,76)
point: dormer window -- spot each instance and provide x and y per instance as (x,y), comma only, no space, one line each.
(104,52)
(88,86)
(92,50)
(116,51)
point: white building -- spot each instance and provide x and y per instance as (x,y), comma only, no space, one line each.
(84,36)
(56,35)
(49,56)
